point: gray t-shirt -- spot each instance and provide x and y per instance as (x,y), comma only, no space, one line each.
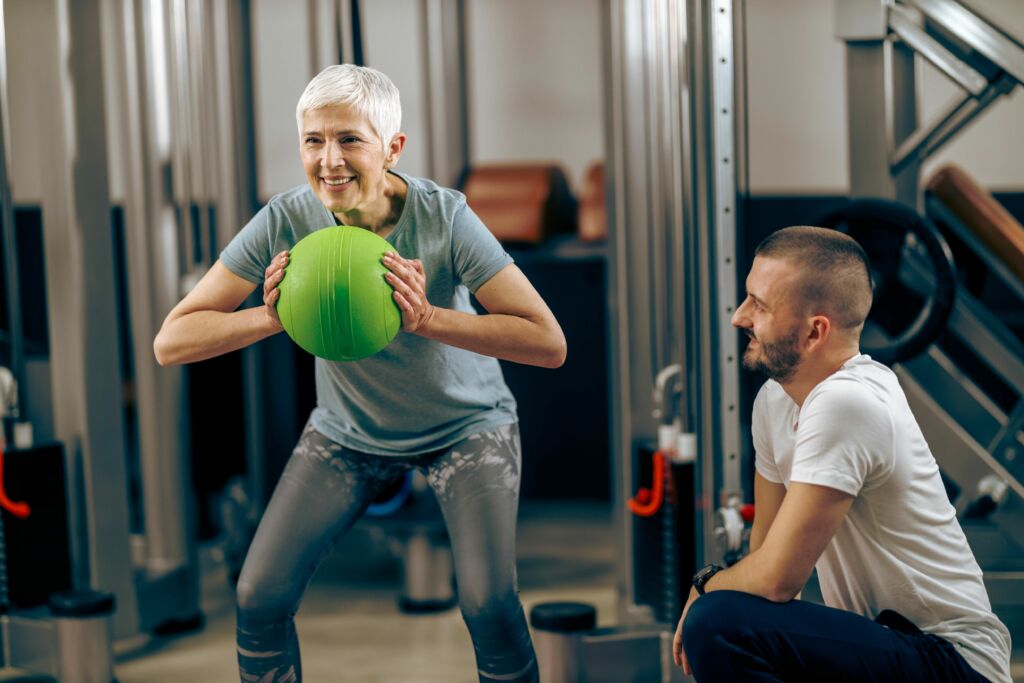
(416,395)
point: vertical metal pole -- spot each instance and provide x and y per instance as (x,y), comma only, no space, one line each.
(723,116)
(236,199)
(444,60)
(10,235)
(615,37)
(153,265)
(82,311)
(324,34)
(881,101)
(346,32)
(658,189)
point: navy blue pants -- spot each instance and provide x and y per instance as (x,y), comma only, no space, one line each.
(734,636)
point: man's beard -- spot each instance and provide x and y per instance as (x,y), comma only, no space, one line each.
(777,359)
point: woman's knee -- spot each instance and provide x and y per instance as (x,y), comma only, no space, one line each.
(255,596)
(490,611)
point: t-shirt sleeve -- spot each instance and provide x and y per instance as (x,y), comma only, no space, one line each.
(249,252)
(477,255)
(845,438)
(764,456)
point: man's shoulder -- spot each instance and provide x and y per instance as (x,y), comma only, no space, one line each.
(859,380)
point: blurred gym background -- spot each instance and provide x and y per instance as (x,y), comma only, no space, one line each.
(630,155)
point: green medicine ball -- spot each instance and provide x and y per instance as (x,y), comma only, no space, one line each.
(335,302)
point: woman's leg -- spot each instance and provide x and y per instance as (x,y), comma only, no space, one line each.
(322,492)
(477,485)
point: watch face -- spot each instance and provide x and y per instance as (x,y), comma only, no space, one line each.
(702,576)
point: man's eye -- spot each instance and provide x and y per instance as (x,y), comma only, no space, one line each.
(312,141)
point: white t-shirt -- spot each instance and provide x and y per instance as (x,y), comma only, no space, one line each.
(900,546)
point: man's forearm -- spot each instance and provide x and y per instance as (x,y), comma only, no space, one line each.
(754,575)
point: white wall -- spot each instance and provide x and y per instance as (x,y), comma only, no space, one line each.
(535,88)
(798,130)
(281,69)
(29,24)
(535,82)
(393,43)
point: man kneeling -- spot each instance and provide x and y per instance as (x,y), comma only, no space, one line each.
(844,481)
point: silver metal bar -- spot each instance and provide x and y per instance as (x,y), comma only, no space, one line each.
(206,181)
(447,109)
(935,52)
(181,136)
(913,147)
(1009,435)
(346,32)
(153,278)
(617,38)
(656,252)
(88,411)
(998,347)
(974,31)
(926,141)
(679,151)
(957,453)
(964,118)
(723,86)
(10,235)
(327,35)
(875,93)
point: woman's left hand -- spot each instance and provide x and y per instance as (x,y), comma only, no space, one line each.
(410,284)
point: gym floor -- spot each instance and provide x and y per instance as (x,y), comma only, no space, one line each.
(351,629)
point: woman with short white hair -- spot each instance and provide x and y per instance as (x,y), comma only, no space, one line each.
(434,399)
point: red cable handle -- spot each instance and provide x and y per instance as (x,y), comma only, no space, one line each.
(648,508)
(17,509)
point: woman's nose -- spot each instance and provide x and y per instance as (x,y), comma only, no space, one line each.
(332,155)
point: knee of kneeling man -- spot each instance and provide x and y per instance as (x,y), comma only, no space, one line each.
(713,614)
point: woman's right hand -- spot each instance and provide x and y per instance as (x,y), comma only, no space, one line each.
(271,279)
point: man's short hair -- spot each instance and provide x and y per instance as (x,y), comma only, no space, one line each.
(835,277)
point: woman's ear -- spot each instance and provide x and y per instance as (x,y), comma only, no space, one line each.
(394,151)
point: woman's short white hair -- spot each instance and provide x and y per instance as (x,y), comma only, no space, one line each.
(368,91)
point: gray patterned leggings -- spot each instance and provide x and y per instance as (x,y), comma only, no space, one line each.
(323,491)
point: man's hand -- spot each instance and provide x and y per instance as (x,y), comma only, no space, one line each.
(678,654)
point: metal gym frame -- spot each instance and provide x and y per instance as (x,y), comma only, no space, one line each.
(977,443)
(677,158)
(153,74)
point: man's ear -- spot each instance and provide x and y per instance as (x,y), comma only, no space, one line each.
(819,332)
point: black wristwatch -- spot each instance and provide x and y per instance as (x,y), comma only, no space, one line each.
(701,578)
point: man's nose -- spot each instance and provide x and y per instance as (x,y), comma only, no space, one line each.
(739,317)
